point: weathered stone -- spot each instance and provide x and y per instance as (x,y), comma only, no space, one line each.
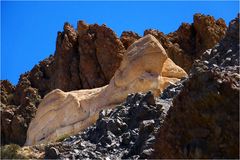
(145,67)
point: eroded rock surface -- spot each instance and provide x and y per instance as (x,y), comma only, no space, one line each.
(188,42)
(191,40)
(145,66)
(128,38)
(205,113)
(196,117)
(88,57)
(84,58)
(127,131)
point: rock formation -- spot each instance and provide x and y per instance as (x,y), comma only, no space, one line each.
(188,42)
(128,38)
(202,121)
(208,119)
(86,58)
(145,66)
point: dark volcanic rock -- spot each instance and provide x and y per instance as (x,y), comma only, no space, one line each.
(128,131)
(203,122)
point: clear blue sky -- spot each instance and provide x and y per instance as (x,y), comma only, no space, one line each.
(29,29)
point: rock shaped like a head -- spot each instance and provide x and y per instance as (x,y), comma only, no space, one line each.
(145,67)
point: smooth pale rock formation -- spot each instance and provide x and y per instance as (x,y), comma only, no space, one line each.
(145,66)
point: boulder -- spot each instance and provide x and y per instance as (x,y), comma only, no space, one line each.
(145,66)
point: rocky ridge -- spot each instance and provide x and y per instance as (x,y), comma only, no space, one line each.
(189,41)
(207,120)
(79,62)
(64,70)
(145,66)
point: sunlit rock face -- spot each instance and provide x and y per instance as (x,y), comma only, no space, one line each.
(145,66)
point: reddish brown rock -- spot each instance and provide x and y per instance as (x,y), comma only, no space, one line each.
(86,58)
(17,113)
(204,119)
(208,32)
(191,40)
(7,90)
(173,49)
(128,38)
(203,122)
(100,54)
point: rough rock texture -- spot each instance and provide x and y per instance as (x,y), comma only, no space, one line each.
(15,119)
(145,66)
(226,53)
(98,48)
(85,58)
(191,40)
(127,131)
(188,42)
(128,38)
(206,124)
(100,54)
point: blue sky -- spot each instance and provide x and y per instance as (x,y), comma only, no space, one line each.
(29,29)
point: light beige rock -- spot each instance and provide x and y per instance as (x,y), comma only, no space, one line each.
(145,66)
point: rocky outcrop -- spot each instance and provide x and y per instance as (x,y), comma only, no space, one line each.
(89,56)
(188,42)
(101,53)
(128,38)
(145,66)
(208,119)
(84,58)
(191,40)
(196,117)
(15,119)
(126,132)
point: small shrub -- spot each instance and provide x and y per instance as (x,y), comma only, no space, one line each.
(11,152)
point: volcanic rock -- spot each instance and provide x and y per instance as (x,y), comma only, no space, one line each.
(203,122)
(145,66)
(191,40)
(86,58)
(101,53)
(137,121)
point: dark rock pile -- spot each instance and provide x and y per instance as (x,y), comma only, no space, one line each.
(127,131)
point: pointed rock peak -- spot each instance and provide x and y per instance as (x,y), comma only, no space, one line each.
(82,26)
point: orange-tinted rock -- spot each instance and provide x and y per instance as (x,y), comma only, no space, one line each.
(128,38)
(86,58)
(100,54)
(191,40)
